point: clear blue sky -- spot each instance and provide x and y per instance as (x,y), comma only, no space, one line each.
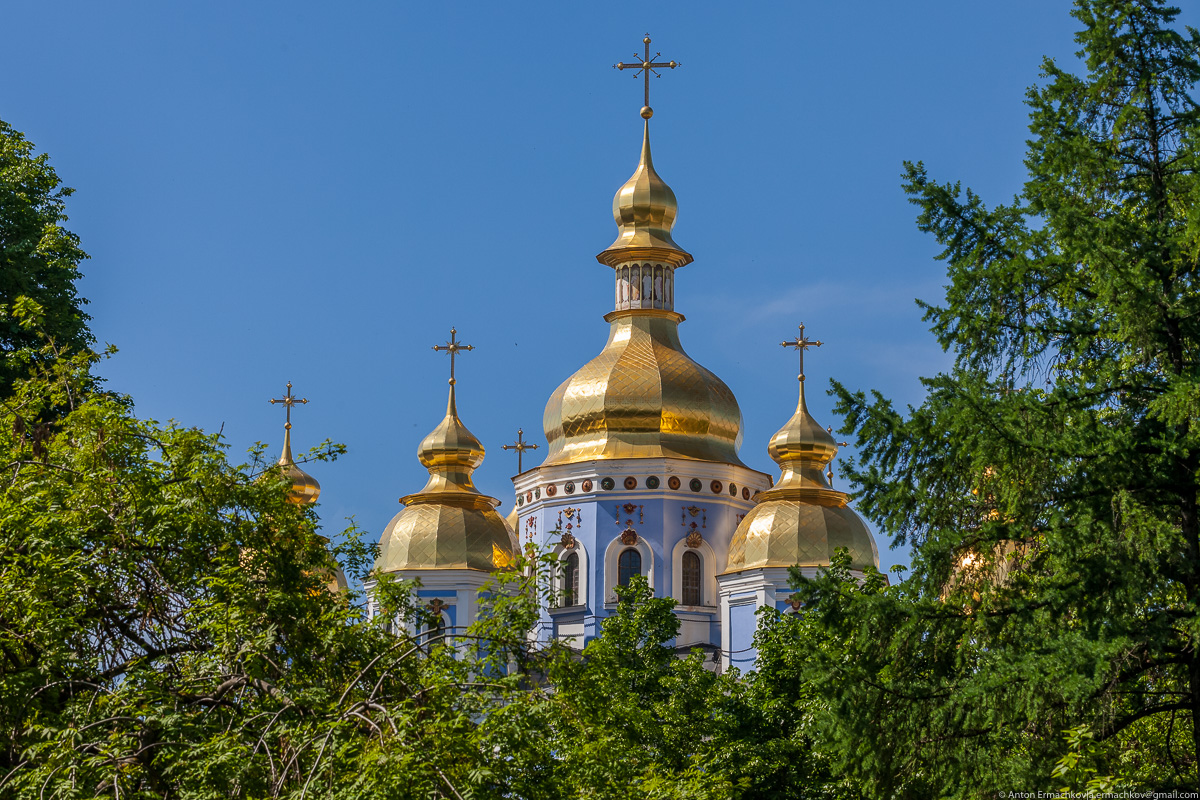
(317,192)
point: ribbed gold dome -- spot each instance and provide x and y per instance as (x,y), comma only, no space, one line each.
(305,489)
(644,210)
(449,524)
(802,520)
(642,397)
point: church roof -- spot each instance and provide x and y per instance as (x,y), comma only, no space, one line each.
(802,519)
(448,524)
(643,396)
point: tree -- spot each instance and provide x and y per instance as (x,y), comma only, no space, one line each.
(165,631)
(39,260)
(1050,482)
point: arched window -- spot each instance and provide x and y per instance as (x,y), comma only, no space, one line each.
(691,578)
(628,564)
(571,580)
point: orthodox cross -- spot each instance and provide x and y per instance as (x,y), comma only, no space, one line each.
(644,67)
(453,347)
(288,401)
(520,445)
(801,343)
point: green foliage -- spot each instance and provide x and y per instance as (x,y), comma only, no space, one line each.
(1050,483)
(39,261)
(165,630)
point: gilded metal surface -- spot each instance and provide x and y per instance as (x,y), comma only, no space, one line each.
(305,489)
(783,533)
(642,397)
(644,210)
(449,524)
(801,519)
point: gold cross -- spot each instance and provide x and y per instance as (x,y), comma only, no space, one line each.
(453,347)
(288,401)
(644,67)
(801,343)
(520,445)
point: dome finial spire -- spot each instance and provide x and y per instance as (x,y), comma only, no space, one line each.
(802,448)
(645,66)
(305,488)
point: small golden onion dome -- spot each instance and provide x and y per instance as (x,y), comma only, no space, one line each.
(644,210)
(642,397)
(802,519)
(305,489)
(449,524)
(512,520)
(802,448)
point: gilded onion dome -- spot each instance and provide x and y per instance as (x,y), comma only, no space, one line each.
(449,524)
(643,396)
(304,490)
(644,210)
(802,519)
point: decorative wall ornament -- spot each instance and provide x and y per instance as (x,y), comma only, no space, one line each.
(694,511)
(529,497)
(629,537)
(587,485)
(740,517)
(520,500)
(630,483)
(795,602)
(567,541)
(573,516)
(732,490)
(537,492)
(696,485)
(607,484)
(530,528)
(745,493)
(673,482)
(716,487)
(652,482)
(551,490)
(436,606)
(694,539)
(569,487)
(629,507)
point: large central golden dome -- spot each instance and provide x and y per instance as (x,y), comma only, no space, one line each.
(643,397)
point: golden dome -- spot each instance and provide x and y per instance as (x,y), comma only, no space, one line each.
(802,519)
(642,397)
(449,524)
(305,489)
(644,210)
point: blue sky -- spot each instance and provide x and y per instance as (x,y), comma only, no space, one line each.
(317,192)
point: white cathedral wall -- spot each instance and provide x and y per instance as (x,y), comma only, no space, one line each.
(662,518)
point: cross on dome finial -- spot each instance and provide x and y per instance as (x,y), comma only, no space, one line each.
(453,347)
(520,445)
(801,343)
(644,67)
(289,400)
